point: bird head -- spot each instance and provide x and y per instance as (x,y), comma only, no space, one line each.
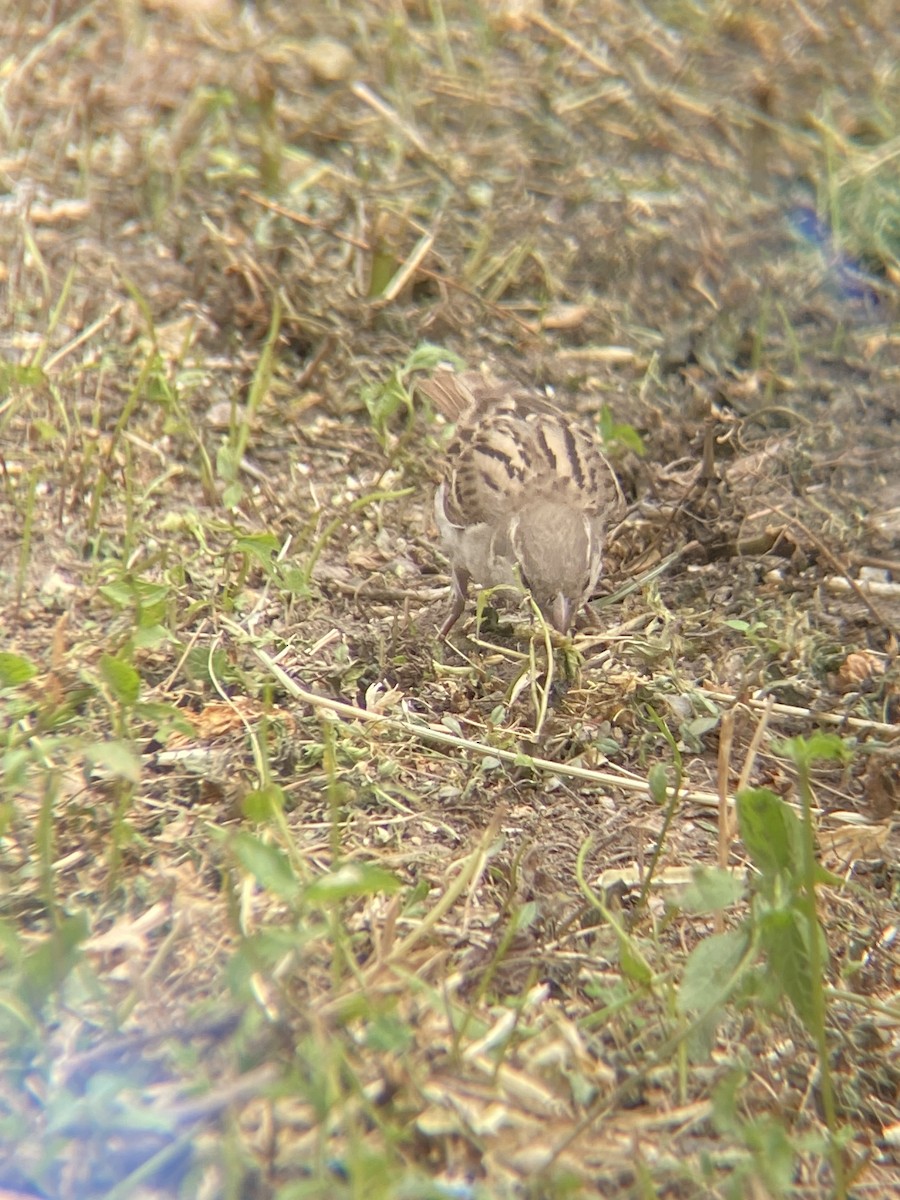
(557,549)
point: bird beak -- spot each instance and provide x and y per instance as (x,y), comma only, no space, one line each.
(561,613)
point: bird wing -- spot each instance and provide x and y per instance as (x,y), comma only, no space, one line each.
(513,448)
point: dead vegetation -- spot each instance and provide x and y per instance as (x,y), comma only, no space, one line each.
(299,900)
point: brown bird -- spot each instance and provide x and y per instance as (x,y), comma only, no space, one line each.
(525,498)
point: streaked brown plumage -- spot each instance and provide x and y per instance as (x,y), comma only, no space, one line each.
(525,498)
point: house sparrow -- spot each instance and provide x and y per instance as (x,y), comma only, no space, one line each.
(525,496)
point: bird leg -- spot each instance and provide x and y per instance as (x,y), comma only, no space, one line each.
(459,589)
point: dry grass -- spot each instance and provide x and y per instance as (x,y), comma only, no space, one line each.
(299,901)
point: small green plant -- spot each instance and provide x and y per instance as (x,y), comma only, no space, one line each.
(386,398)
(618,435)
(230,456)
(779,950)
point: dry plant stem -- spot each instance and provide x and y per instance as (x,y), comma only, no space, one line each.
(580,49)
(639,581)
(309,371)
(390,114)
(428,734)
(540,692)
(168,683)
(498,310)
(251,1084)
(628,783)
(755,743)
(170,1152)
(477,872)
(472,866)
(141,988)
(406,272)
(837,585)
(672,799)
(25,547)
(126,1045)
(840,567)
(873,560)
(795,710)
(725,830)
(57,34)
(84,336)
(298,218)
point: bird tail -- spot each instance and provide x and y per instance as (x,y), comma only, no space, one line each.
(450,392)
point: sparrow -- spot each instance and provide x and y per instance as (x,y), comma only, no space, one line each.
(525,496)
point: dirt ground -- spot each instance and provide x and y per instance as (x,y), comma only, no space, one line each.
(229,233)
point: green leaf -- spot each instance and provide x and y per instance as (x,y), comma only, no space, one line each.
(658,784)
(15,670)
(144,594)
(263,804)
(149,636)
(726,1098)
(387,1033)
(46,968)
(712,971)
(14,375)
(773,1154)
(352,879)
(232,496)
(148,594)
(45,430)
(711,890)
(702,1033)
(14,766)
(17,1020)
(613,431)
(165,718)
(784,937)
(772,833)
(268,865)
(427,356)
(634,966)
(121,678)
(384,400)
(295,581)
(698,726)
(228,464)
(115,758)
(199,664)
(259,546)
(804,751)
(382,268)
(118,593)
